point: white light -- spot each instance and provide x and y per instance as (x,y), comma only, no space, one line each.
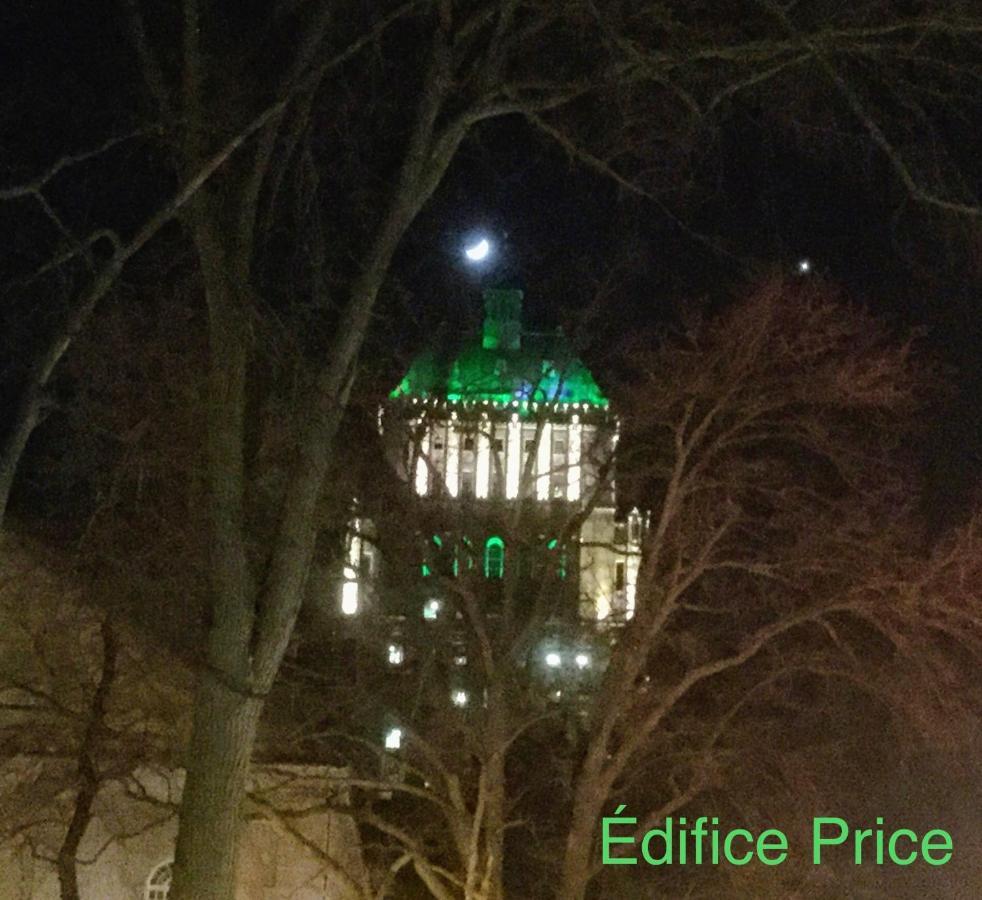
(582,660)
(573,478)
(422,465)
(349,593)
(553,660)
(478,251)
(431,609)
(393,739)
(804,266)
(459,698)
(396,654)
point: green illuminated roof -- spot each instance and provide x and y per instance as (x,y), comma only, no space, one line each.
(504,366)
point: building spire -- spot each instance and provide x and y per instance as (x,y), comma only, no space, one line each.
(502,319)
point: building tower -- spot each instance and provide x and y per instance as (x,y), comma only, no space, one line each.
(515,419)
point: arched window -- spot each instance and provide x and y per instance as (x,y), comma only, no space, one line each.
(158,884)
(494,558)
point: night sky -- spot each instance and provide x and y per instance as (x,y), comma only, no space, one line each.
(761,189)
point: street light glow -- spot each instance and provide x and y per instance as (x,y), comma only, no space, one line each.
(582,660)
(804,266)
(553,660)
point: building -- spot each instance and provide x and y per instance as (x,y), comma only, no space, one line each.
(128,846)
(515,419)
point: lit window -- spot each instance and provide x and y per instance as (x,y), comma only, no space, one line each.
(494,558)
(393,739)
(553,660)
(431,609)
(396,654)
(158,884)
(349,592)
(459,698)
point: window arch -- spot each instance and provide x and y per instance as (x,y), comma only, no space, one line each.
(494,557)
(158,883)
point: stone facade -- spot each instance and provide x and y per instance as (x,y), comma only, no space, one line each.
(306,854)
(515,417)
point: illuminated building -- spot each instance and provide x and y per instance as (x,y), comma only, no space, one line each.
(514,418)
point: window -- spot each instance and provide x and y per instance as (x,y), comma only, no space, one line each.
(349,592)
(431,609)
(468,443)
(158,884)
(619,580)
(494,558)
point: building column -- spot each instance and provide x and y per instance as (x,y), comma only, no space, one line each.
(349,588)
(453,456)
(422,463)
(482,469)
(544,462)
(513,461)
(575,440)
(632,564)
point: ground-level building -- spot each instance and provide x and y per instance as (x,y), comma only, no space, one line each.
(128,848)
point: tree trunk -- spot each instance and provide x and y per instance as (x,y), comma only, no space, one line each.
(495,815)
(577,856)
(227,705)
(589,795)
(24,423)
(225,724)
(88,771)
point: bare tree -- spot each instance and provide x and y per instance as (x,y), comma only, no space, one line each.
(786,583)
(211,91)
(784,545)
(82,706)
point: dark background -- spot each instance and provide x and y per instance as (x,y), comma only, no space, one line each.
(764,188)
